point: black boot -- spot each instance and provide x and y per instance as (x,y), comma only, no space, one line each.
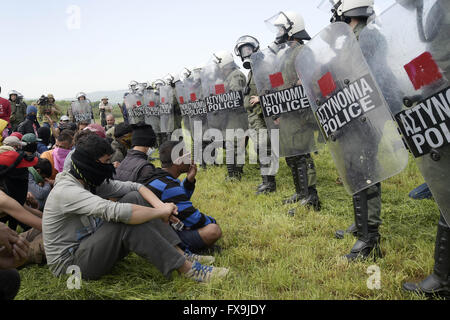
(307,196)
(312,199)
(350,230)
(299,175)
(269,185)
(231,168)
(368,238)
(438,283)
(238,172)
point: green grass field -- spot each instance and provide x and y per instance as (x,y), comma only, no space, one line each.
(272,255)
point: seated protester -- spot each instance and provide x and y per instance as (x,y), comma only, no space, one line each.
(82,124)
(97,129)
(121,143)
(17,134)
(77,137)
(14,142)
(44,136)
(135,167)
(110,122)
(57,156)
(14,253)
(3,130)
(37,185)
(82,228)
(200,231)
(31,144)
(14,183)
(30,124)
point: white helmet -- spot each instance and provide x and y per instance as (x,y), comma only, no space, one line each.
(351,8)
(132,85)
(13,92)
(288,24)
(244,48)
(223,57)
(80,94)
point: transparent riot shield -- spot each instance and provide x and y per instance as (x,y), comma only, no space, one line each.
(411,63)
(223,91)
(135,108)
(82,111)
(151,107)
(184,107)
(350,109)
(197,105)
(166,109)
(283,99)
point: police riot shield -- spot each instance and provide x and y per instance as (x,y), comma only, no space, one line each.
(350,109)
(135,108)
(82,111)
(223,91)
(151,107)
(283,99)
(184,106)
(166,111)
(413,72)
(197,105)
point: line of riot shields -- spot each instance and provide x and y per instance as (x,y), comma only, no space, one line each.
(370,101)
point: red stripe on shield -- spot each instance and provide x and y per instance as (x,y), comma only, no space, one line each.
(163,100)
(138,103)
(193,97)
(276,79)
(152,103)
(423,70)
(327,84)
(181,100)
(220,88)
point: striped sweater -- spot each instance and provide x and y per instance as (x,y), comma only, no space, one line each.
(169,189)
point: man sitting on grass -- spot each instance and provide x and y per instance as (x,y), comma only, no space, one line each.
(200,232)
(81,227)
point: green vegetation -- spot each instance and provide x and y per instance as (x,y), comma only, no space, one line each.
(272,255)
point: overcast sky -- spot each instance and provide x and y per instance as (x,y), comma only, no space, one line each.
(63,47)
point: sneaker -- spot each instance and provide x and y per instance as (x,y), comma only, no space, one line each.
(201,273)
(192,257)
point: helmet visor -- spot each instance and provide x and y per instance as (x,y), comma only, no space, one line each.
(245,40)
(246,51)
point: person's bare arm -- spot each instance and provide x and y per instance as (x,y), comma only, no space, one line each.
(36,212)
(141,214)
(150,197)
(15,210)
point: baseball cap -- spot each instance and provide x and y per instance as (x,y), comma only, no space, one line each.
(13,141)
(9,158)
(30,138)
(17,134)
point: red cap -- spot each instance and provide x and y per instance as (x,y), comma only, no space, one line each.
(97,129)
(9,157)
(17,134)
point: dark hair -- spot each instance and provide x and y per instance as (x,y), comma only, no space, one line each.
(68,126)
(122,129)
(45,166)
(44,134)
(165,153)
(66,136)
(94,146)
(81,134)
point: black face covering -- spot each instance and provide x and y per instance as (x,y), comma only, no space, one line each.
(91,171)
(30,147)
